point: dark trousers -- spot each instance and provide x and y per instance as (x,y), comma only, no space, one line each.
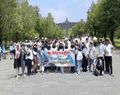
(84,64)
(29,66)
(108,64)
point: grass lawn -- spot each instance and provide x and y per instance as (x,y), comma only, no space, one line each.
(117,43)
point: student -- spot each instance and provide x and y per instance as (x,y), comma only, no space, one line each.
(35,58)
(44,59)
(101,52)
(85,57)
(23,54)
(61,48)
(17,60)
(108,56)
(29,59)
(92,55)
(79,60)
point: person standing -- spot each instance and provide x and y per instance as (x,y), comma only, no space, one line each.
(44,59)
(108,56)
(17,60)
(23,54)
(79,60)
(35,59)
(101,53)
(85,57)
(92,55)
(29,59)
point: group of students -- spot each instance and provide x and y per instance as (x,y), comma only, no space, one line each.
(89,55)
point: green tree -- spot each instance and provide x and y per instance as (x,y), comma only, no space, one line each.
(103,18)
(78,29)
(46,27)
(7,11)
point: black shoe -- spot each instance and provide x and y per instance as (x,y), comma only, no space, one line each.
(112,75)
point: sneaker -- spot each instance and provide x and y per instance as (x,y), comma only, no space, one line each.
(17,77)
(24,75)
(112,75)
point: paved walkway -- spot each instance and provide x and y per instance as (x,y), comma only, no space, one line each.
(59,84)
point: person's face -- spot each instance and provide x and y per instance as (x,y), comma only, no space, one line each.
(23,47)
(106,42)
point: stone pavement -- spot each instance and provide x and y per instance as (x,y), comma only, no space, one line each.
(59,84)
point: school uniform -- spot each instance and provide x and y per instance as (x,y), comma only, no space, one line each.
(85,59)
(101,53)
(108,58)
(79,61)
(29,58)
(92,56)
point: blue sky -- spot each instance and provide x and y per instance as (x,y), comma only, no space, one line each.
(74,10)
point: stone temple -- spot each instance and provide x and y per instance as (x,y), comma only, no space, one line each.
(66,25)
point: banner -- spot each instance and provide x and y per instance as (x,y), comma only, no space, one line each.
(62,58)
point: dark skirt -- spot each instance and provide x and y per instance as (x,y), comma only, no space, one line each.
(17,63)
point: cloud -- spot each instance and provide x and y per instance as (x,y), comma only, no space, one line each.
(58,14)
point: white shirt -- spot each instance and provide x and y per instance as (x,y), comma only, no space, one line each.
(87,45)
(31,54)
(92,52)
(101,50)
(34,52)
(85,52)
(11,48)
(79,55)
(53,49)
(108,50)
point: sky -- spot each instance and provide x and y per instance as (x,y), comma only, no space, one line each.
(74,10)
